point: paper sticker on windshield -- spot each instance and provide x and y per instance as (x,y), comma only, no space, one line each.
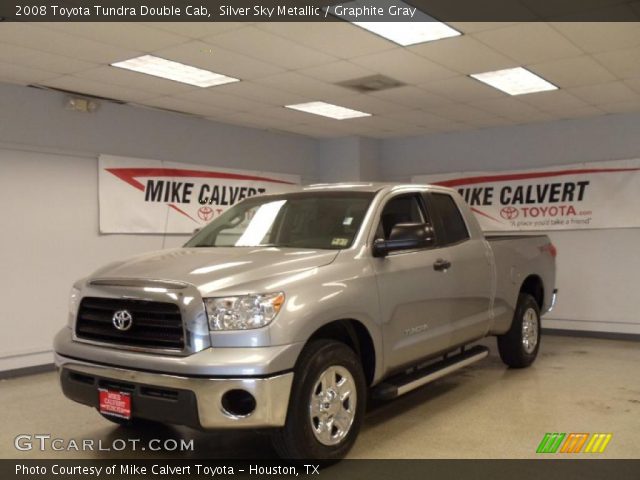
(347,221)
(339,242)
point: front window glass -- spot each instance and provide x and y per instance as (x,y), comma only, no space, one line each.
(318,220)
(401,209)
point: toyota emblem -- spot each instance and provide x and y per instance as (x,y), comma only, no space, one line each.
(205,213)
(509,213)
(122,320)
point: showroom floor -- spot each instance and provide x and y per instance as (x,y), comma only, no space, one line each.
(577,385)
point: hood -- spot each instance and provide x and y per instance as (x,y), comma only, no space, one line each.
(213,269)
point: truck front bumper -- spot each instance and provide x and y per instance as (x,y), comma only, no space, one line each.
(208,403)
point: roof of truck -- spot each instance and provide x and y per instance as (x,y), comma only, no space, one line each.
(361,186)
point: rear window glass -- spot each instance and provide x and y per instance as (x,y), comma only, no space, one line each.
(454,228)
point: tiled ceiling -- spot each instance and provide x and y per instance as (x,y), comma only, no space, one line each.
(595,65)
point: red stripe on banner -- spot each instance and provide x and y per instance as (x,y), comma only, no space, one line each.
(526,176)
(129,175)
(182,212)
(485,214)
(123,174)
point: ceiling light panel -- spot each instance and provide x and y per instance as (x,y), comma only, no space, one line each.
(405,33)
(420,29)
(328,110)
(515,81)
(178,72)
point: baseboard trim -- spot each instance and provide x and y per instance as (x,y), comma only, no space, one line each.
(563,332)
(24,371)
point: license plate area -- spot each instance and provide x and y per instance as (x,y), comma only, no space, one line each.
(115,403)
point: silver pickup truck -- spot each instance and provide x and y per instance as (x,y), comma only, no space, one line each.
(288,311)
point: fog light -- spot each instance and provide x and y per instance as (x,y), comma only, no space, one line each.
(238,403)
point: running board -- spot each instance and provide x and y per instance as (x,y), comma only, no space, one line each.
(396,386)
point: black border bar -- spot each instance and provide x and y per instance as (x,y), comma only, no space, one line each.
(315,10)
(548,469)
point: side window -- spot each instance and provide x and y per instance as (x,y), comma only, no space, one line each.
(401,209)
(453,228)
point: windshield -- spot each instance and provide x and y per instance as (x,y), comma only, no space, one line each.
(318,220)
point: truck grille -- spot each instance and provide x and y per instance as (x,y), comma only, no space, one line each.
(152,325)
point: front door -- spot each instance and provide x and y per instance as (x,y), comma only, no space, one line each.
(415,298)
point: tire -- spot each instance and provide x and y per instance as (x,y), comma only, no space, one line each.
(309,431)
(519,346)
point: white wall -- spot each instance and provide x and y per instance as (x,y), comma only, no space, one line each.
(49,239)
(597,269)
(348,159)
(338,160)
(370,161)
(49,197)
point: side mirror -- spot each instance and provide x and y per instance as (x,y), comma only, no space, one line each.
(405,236)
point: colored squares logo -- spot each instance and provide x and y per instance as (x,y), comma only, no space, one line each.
(598,443)
(550,442)
(574,443)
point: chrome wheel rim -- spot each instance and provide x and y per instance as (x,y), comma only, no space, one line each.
(529,330)
(332,406)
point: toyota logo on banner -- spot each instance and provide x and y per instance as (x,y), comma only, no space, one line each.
(509,213)
(122,320)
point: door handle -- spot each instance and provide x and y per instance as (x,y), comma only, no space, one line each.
(441,265)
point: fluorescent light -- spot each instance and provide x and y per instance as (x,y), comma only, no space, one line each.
(179,72)
(515,81)
(328,110)
(419,28)
(410,33)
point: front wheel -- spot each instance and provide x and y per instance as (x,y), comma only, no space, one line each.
(519,346)
(326,406)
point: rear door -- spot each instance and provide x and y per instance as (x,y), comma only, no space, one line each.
(469,273)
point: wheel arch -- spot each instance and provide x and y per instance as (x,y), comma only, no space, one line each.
(534,286)
(354,334)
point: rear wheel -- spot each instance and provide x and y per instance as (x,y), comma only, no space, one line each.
(519,346)
(326,406)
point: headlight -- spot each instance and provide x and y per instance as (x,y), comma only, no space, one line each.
(243,313)
(74,301)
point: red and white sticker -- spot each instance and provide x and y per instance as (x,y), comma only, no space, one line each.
(115,403)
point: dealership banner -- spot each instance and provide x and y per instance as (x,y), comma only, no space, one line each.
(152,196)
(570,197)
